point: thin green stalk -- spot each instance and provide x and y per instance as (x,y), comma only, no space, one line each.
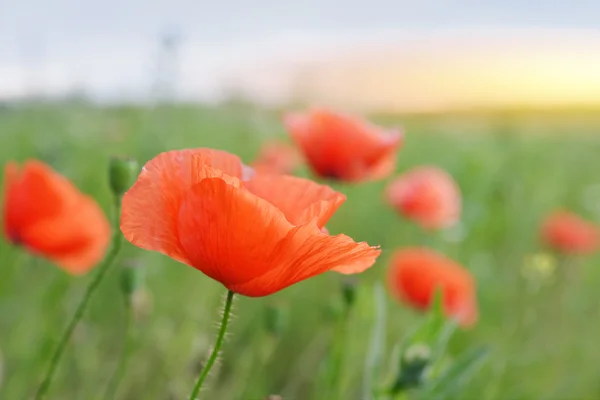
(126,351)
(93,285)
(217,348)
(336,380)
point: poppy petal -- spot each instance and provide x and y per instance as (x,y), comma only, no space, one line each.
(386,163)
(227,232)
(427,195)
(415,274)
(76,240)
(299,199)
(343,147)
(10,219)
(248,245)
(306,252)
(151,206)
(36,181)
(277,157)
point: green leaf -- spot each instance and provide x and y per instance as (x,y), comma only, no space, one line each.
(377,343)
(435,331)
(455,377)
(442,338)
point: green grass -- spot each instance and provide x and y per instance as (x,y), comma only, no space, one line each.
(544,346)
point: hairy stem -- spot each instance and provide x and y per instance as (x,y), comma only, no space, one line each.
(215,353)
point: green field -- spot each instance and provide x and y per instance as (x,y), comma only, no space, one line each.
(512,168)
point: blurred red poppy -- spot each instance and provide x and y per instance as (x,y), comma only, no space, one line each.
(277,157)
(416,273)
(254,233)
(342,147)
(567,233)
(44,212)
(427,195)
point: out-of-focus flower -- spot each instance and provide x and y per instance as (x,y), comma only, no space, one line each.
(277,157)
(568,233)
(342,147)
(46,214)
(255,236)
(416,273)
(427,195)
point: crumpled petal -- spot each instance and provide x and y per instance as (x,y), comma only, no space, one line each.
(151,206)
(227,232)
(301,200)
(249,246)
(313,253)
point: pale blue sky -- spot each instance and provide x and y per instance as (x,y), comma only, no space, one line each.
(64,24)
(106,44)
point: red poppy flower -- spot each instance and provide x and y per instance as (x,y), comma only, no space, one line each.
(256,234)
(45,213)
(342,147)
(415,274)
(568,233)
(428,195)
(277,157)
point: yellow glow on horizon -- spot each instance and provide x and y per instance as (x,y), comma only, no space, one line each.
(459,74)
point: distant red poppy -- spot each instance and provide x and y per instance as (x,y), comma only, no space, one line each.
(428,195)
(342,147)
(416,273)
(566,232)
(44,212)
(254,233)
(277,157)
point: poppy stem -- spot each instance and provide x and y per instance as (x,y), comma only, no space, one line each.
(93,285)
(336,383)
(217,348)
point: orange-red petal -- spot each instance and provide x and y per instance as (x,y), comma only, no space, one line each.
(249,246)
(301,200)
(151,206)
(427,195)
(277,157)
(24,190)
(306,252)
(10,218)
(416,273)
(343,147)
(227,232)
(567,232)
(48,215)
(76,240)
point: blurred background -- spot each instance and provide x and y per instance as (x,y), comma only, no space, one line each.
(504,95)
(381,55)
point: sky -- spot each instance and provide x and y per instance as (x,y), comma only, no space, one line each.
(269,49)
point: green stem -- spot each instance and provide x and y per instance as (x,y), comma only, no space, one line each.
(93,285)
(336,378)
(113,385)
(217,348)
